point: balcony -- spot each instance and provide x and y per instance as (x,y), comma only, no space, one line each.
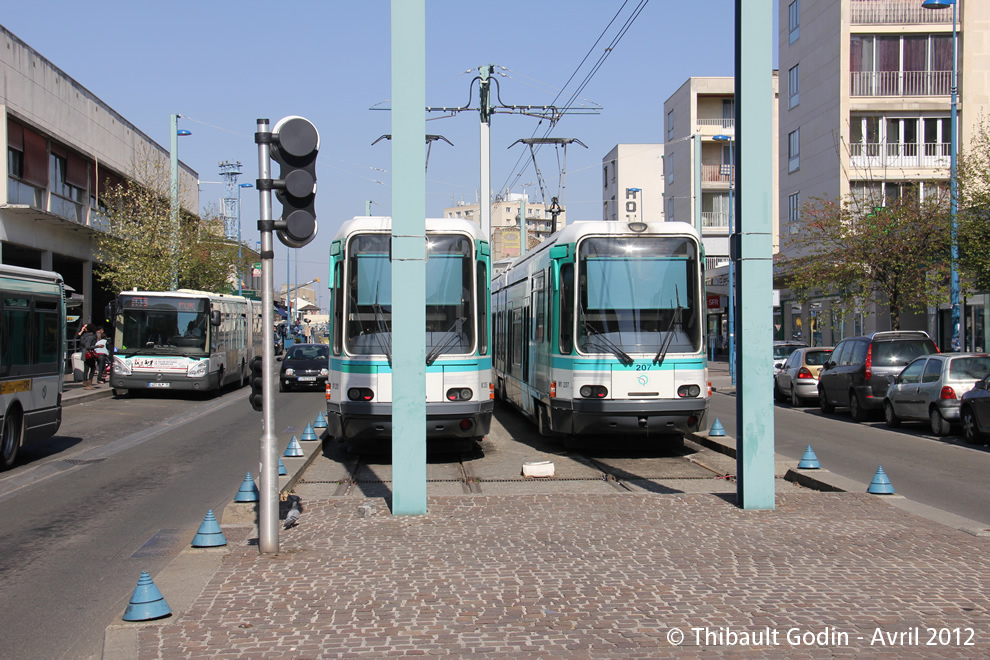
(716,173)
(900,83)
(715,220)
(712,127)
(896,12)
(869,155)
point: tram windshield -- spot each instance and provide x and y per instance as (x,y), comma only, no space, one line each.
(638,295)
(162,325)
(449,299)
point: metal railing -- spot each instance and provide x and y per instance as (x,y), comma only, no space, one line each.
(716,126)
(714,220)
(896,12)
(900,83)
(715,262)
(716,173)
(900,154)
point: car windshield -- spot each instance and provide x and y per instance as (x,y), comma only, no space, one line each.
(307,353)
(966,368)
(783,352)
(816,358)
(899,353)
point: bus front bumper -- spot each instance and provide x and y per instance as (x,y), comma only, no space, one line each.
(365,421)
(641,417)
(164,382)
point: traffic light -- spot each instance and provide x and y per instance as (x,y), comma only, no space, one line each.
(257,383)
(295,143)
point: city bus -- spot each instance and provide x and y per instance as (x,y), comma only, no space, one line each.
(184,340)
(600,331)
(32,357)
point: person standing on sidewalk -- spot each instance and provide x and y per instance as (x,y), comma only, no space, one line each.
(87,343)
(102,356)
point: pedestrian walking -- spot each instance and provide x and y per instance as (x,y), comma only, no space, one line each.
(102,356)
(87,342)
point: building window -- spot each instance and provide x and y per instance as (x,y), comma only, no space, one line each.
(794,150)
(793,212)
(794,20)
(605,176)
(794,85)
(670,210)
(66,199)
(877,141)
(670,168)
(670,125)
(900,65)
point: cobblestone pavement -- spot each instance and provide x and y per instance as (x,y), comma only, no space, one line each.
(595,576)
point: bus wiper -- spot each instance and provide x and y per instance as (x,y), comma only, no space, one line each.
(382,329)
(665,344)
(446,341)
(622,356)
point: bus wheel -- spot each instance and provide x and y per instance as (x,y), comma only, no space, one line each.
(10,441)
(243,375)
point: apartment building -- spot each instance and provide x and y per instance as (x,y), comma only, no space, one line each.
(633,183)
(64,146)
(699,118)
(865,114)
(505,238)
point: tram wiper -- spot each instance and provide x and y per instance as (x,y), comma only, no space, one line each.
(665,344)
(593,333)
(382,329)
(446,341)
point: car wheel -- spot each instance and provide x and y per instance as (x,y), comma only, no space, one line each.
(824,404)
(795,399)
(778,394)
(970,430)
(282,387)
(890,416)
(940,427)
(856,408)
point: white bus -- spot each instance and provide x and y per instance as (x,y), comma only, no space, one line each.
(32,357)
(184,340)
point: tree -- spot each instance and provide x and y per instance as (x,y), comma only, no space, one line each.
(973,177)
(859,251)
(135,247)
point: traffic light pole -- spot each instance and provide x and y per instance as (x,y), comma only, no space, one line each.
(268,488)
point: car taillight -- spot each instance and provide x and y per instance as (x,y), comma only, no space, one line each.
(947,393)
(869,362)
(804,373)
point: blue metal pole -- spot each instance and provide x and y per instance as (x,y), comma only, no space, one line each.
(409,257)
(173,245)
(958,328)
(754,251)
(732,270)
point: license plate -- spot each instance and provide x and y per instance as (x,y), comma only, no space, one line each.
(307,379)
(159,384)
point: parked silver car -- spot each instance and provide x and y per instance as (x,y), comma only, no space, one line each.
(929,388)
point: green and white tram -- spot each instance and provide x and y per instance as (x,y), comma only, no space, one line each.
(32,357)
(599,330)
(184,340)
(458,386)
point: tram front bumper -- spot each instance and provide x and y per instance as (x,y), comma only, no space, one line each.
(362,421)
(635,417)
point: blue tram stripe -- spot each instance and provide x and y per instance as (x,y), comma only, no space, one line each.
(381,367)
(578,364)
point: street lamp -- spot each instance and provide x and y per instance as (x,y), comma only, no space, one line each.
(240,259)
(732,264)
(174,134)
(958,329)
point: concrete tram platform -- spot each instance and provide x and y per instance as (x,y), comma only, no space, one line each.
(583,575)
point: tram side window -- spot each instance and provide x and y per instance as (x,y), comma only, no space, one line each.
(566,309)
(482,298)
(517,340)
(338,308)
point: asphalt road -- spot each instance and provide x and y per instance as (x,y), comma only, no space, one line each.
(83,515)
(944,473)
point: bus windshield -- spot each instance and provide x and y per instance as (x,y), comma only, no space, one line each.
(449,312)
(162,325)
(638,294)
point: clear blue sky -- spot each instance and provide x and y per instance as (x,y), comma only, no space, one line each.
(225,64)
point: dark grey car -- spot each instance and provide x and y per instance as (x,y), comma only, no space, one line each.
(856,375)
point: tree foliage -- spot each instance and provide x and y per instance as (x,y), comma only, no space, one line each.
(973,176)
(135,247)
(858,251)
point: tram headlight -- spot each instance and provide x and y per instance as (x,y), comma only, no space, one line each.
(594,391)
(198,369)
(685,391)
(360,394)
(459,394)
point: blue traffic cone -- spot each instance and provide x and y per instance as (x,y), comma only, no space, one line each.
(281,468)
(716,431)
(881,484)
(147,602)
(248,492)
(294,450)
(320,422)
(309,434)
(209,535)
(809,461)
